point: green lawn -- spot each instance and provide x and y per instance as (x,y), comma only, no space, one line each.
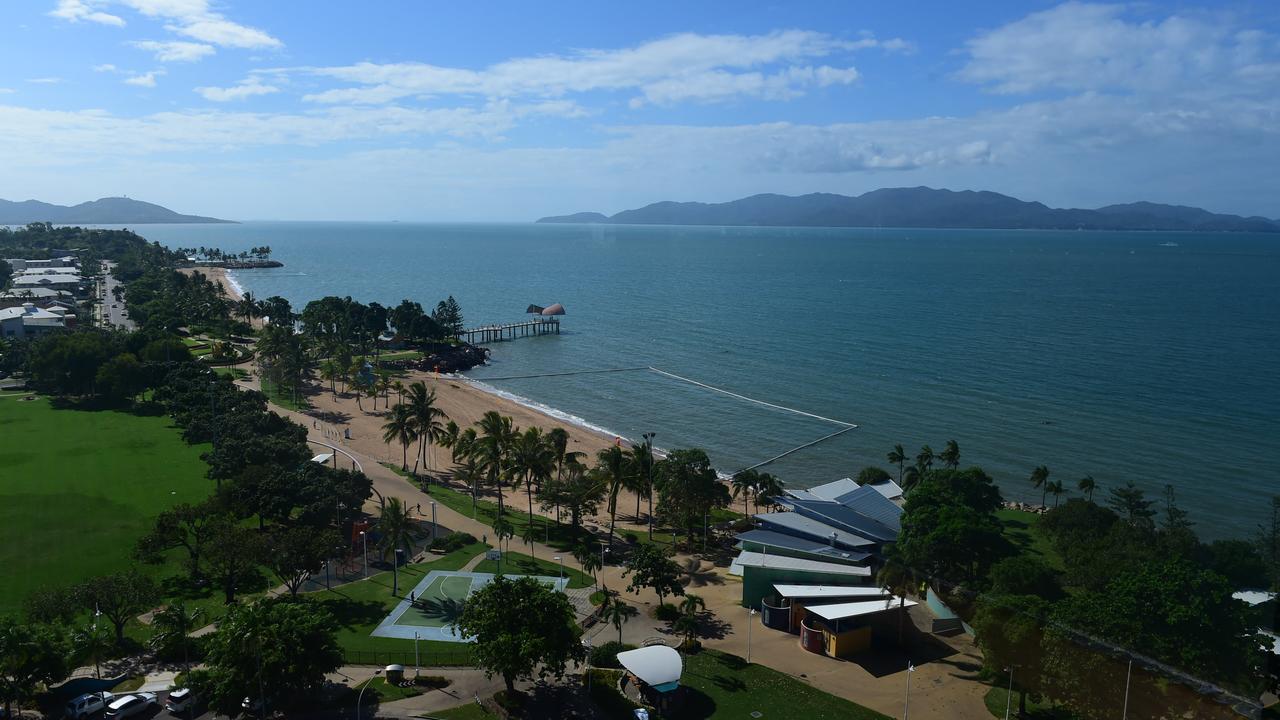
(997,696)
(390,693)
(234,373)
(470,711)
(360,606)
(726,686)
(80,487)
(284,397)
(514,563)
(1021,529)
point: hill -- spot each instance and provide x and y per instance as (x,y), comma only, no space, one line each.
(107,211)
(923,207)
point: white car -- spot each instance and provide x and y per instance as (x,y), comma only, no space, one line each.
(181,700)
(87,705)
(131,705)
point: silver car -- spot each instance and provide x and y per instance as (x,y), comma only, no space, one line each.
(87,705)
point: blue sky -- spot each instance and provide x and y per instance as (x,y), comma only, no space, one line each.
(509,111)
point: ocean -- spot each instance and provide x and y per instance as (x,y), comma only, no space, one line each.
(1150,357)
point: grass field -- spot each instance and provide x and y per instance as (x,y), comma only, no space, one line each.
(514,563)
(996,698)
(726,686)
(470,711)
(283,396)
(360,606)
(80,487)
(1021,529)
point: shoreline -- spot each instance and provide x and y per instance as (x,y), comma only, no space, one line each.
(219,276)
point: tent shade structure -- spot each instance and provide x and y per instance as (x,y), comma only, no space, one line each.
(322,458)
(841,611)
(553,309)
(534,309)
(657,666)
(829,591)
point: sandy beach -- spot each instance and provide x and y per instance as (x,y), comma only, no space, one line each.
(461,401)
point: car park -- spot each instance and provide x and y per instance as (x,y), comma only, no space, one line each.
(181,701)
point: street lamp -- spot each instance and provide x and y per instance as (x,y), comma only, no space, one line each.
(1128,676)
(561,560)
(416,662)
(751,620)
(906,703)
(360,697)
(1008,698)
(648,440)
(433,520)
(364,548)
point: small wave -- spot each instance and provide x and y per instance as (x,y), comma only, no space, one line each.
(539,407)
(234,283)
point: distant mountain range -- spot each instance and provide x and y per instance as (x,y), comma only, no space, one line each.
(107,211)
(923,207)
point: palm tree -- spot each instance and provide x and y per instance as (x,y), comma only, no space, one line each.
(503,529)
(587,559)
(743,483)
(399,532)
(330,370)
(173,625)
(611,464)
(642,466)
(897,579)
(687,623)
(1056,488)
(768,489)
(951,455)
(247,308)
(531,459)
(400,428)
(1040,479)
(384,387)
(527,536)
(616,611)
(399,388)
(924,459)
(426,417)
(898,457)
(493,436)
(1087,485)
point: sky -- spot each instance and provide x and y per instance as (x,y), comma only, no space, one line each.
(508,111)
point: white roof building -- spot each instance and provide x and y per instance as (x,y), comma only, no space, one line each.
(657,666)
(27,320)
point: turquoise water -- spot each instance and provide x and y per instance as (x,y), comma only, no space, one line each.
(1110,354)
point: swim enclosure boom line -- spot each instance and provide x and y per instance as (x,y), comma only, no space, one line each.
(845,426)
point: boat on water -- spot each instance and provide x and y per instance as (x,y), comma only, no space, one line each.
(1169,244)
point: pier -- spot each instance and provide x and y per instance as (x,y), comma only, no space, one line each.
(497,333)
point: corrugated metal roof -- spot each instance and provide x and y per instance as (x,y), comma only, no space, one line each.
(841,611)
(782,562)
(828,591)
(793,523)
(798,544)
(839,516)
(831,490)
(868,501)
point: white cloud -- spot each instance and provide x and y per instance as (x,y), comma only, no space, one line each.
(244,89)
(105,67)
(45,80)
(146,79)
(6,91)
(194,19)
(86,10)
(710,66)
(175,50)
(1082,47)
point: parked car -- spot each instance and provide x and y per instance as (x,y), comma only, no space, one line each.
(182,700)
(131,705)
(87,705)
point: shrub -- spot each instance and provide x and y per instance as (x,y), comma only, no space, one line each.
(666,612)
(453,541)
(631,538)
(606,655)
(432,681)
(604,692)
(513,703)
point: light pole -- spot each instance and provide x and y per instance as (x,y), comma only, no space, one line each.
(1125,713)
(906,703)
(416,662)
(561,561)
(751,620)
(326,576)
(1008,698)
(433,520)
(360,697)
(704,530)
(364,550)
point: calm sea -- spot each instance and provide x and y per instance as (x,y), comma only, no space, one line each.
(1150,357)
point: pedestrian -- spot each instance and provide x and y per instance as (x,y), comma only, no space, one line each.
(412,599)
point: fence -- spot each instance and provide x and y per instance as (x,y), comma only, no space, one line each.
(433,657)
